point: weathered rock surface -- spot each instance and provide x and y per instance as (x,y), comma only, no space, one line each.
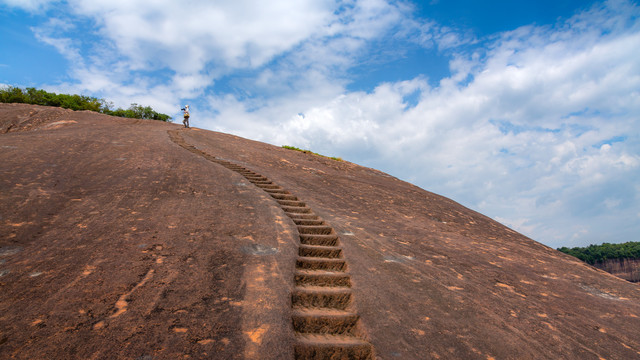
(120,240)
(628,269)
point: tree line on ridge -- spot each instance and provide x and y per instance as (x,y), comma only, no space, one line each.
(33,96)
(593,254)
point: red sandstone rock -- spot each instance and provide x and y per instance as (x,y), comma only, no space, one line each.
(118,242)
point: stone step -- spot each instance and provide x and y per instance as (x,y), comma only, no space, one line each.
(321,278)
(296,209)
(321,264)
(284,197)
(276,191)
(310,216)
(322,321)
(321,297)
(315,229)
(292,203)
(320,251)
(268,186)
(321,347)
(322,240)
(308,221)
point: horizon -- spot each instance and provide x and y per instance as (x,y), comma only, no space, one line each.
(527,113)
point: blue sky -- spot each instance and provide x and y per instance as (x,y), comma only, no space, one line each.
(525,111)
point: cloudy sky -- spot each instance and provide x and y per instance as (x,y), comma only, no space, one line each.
(527,111)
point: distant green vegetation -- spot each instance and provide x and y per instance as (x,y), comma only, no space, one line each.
(34,96)
(311,152)
(599,253)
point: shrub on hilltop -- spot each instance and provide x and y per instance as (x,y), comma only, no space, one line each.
(311,152)
(11,94)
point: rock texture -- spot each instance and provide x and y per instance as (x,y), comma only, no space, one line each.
(137,239)
(628,269)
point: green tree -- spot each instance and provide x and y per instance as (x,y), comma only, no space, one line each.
(11,94)
(599,253)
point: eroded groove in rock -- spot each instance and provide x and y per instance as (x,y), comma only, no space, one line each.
(324,318)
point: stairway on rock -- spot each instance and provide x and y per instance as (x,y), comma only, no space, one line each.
(324,318)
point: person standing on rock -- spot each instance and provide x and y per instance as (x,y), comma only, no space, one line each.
(186,116)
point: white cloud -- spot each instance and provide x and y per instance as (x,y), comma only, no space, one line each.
(517,131)
(29,5)
(187,36)
(47,34)
(522,129)
(300,47)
